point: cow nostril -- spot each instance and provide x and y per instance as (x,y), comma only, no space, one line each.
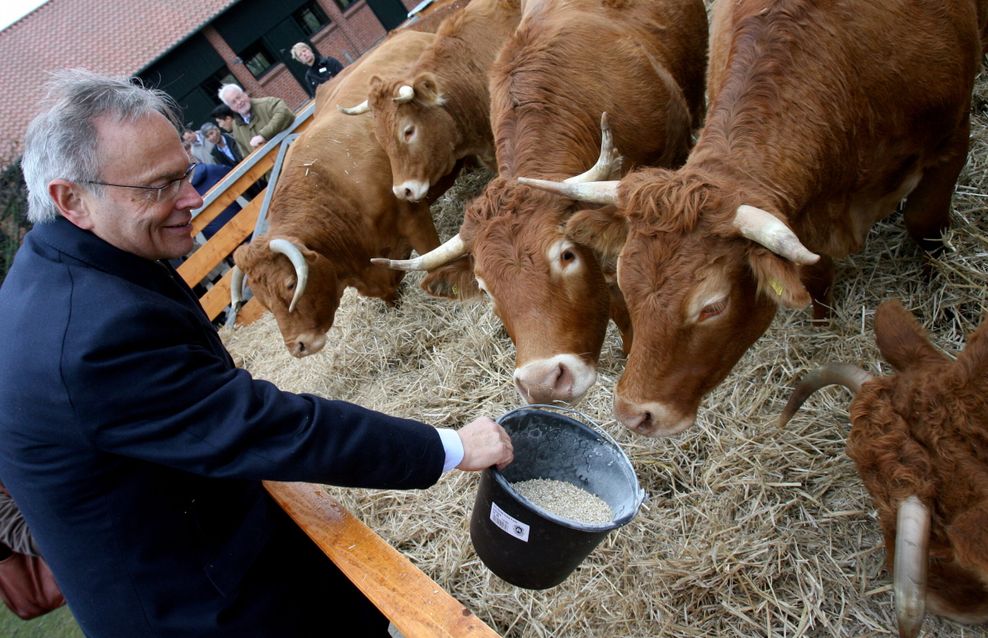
(564,378)
(408,193)
(646,421)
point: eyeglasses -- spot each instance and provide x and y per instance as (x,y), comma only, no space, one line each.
(157,193)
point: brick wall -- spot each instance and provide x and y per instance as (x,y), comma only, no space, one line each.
(366,27)
(280,82)
(244,77)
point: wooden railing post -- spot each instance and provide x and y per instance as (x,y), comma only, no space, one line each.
(417,606)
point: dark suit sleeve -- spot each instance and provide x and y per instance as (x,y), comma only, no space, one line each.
(171,399)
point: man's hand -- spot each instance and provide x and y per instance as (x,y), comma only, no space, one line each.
(257,140)
(485,443)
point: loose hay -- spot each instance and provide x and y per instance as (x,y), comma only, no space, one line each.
(748,530)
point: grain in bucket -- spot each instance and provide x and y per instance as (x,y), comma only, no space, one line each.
(525,543)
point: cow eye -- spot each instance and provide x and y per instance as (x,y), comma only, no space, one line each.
(483,288)
(409,132)
(711,310)
(567,256)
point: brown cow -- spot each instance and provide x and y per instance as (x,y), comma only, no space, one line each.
(438,113)
(822,117)
(333,210)
(919,440)
(569,61)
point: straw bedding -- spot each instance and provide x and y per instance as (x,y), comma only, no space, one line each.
(748,530)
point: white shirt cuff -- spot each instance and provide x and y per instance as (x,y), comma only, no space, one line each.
(453,446)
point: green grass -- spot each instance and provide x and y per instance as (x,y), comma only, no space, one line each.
(55,624)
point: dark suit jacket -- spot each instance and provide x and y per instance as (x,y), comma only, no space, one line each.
(135,450)
(220,157)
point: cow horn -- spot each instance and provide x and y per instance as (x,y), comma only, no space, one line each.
(405,94)
(453,248)
(764,228)
(849,376)
(290,250)
(911,537)
(236,288)
(609,163)
(363,107)
(594,192)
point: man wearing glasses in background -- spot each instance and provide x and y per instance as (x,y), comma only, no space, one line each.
(131,443)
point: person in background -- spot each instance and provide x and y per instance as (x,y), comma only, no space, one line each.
(204,177)
(321,68)
(223,115)
(197,145)
(258,119)
(133,445)
(225,149)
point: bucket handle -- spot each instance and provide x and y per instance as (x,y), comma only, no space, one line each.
(642,494)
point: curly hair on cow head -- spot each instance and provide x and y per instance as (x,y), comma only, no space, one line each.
(666,200)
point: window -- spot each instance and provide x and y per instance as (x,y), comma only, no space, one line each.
(311,18)
(257,58)
(345,4)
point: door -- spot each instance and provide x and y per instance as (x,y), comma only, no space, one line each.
(391,13)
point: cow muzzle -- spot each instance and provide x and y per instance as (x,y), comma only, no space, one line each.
(305,344)
(412,190)
(651,419)
(564,377)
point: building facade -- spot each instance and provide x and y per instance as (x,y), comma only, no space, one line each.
(188,48)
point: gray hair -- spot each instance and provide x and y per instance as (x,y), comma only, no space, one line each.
(61,140)
(227,88)
(298,46)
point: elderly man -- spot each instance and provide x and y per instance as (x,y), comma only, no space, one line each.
(133,445)
(259,119)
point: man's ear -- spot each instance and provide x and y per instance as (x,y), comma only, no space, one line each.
(67,197)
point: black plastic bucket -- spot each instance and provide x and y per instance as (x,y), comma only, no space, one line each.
(525,544)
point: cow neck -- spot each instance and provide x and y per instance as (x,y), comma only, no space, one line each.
(465,49)
(324,223)
(754,177)
(467,99)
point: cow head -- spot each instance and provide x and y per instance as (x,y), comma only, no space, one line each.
(415,130)
(548,290)
(299,286)
(918,439)
(702,276)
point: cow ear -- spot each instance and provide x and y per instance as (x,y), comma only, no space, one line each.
(376,91)
(454,280)
(427,89)
(778,278)
(901,340)
(602,229)
(241,256)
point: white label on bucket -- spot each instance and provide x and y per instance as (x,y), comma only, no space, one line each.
(511,525)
